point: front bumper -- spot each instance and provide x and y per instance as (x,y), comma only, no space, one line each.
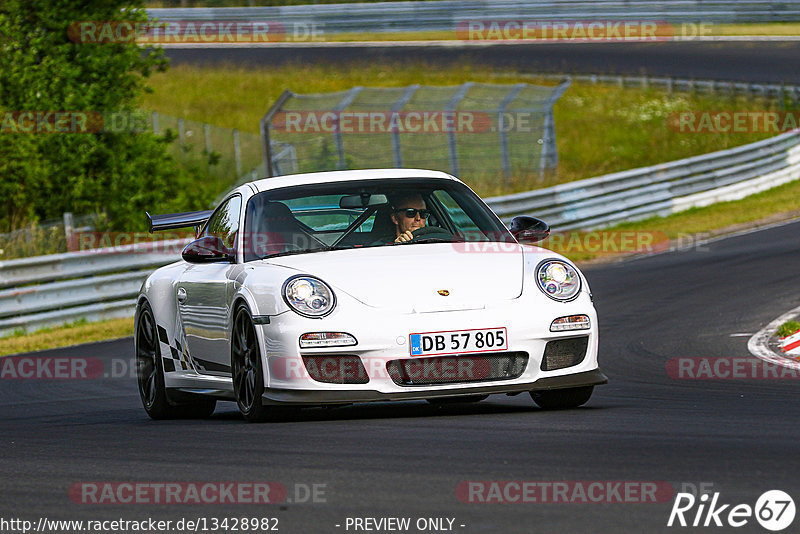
(383,336)
(294,396)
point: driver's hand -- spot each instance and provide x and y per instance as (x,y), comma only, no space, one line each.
(405,237)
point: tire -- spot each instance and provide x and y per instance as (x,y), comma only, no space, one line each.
(463,399)
(150,375)
(562,399)
(246,368)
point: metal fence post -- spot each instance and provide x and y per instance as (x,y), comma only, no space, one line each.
(399,104)
(501,110)
(549,155)
(337,130)
(266,147)
(69,229)
(452,148)
(237,153)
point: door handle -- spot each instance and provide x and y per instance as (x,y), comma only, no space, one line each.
(181,295)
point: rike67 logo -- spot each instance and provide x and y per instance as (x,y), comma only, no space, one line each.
(774,510)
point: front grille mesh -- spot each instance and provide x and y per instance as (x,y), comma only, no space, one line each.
(457,369)
(562,353)
(338,369)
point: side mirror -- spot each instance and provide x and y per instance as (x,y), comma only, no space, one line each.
(529,229)
(207,249)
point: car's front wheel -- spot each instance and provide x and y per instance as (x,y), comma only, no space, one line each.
(150,375)
(562,399)
(248,373)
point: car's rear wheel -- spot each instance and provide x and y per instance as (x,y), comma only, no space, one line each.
(462,399)
(150,375)
(248,373)
(562,399)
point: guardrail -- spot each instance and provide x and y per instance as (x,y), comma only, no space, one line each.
(660,189)
(93,284)
(445,15)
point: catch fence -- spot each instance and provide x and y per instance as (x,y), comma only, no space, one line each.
(473,129)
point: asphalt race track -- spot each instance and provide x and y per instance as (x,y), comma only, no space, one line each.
(407,459)
(764,61)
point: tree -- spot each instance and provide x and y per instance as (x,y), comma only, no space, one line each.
(45,69)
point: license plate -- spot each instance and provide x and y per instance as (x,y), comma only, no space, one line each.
(458,341)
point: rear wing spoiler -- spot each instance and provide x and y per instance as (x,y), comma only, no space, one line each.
(173,221)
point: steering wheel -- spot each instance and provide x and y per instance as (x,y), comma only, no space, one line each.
(432,234)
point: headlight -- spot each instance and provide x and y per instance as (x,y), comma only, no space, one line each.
(309,296)
(558,280)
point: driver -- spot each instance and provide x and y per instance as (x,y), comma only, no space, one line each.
(409,213)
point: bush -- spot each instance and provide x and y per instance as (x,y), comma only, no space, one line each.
(117,173)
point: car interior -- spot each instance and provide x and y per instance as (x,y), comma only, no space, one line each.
(280,230)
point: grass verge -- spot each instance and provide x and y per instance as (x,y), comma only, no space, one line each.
(599,128)
(788,328)
(63,336)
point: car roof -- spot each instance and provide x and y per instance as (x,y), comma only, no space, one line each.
(345,176)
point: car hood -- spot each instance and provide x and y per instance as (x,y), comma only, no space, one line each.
(413,277)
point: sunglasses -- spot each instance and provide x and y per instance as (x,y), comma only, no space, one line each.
(411,213)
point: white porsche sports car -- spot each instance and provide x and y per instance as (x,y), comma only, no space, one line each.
(355,286)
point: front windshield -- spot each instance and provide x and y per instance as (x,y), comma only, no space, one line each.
(366,213)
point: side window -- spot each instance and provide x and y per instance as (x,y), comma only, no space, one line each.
(224,223)
(464,224)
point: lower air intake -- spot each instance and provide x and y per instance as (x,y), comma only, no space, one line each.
(337,369)
(562,353)
(457,369)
